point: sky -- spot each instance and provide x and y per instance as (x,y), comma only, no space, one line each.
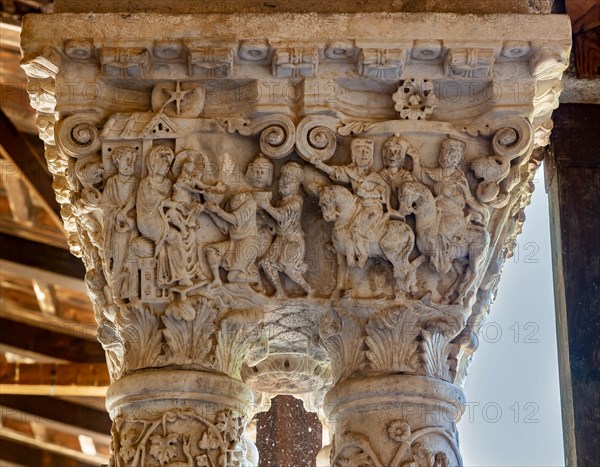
(513,403)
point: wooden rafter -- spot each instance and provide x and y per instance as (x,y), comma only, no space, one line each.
(89,379)
(38,255)
(31,165)
(18,448)
(59,411)
(45,339)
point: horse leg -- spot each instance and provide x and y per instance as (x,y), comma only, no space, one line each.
(298,278)
(456,285)
(476,254)
(342,271)
(397,252)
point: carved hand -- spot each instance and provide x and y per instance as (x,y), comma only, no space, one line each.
(124,222)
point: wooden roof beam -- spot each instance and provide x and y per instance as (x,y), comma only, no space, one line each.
(54,379)
(32,166)
(40,256)
(42,339)
(57,410)
(19,448)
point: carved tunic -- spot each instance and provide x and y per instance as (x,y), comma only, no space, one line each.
(395,180)
(288,248)
(452,196)
(118,231)
(372,193)
(241,250)
(153,223)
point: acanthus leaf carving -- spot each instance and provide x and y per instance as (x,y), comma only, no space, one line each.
(390,341)
(238,334)
(200,215)
(341,332)
(189,333)
(139,330)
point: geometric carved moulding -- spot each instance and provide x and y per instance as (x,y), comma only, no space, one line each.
(292,204)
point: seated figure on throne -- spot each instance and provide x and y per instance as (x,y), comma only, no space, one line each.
(156,221)
(371,192)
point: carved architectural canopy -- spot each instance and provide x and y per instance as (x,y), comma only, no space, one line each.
(316,205)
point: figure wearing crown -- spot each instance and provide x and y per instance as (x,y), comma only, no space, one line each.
(371,192)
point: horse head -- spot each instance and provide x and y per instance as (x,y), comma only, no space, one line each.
(335,201)
(412,196)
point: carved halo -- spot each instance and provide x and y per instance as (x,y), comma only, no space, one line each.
(196,156)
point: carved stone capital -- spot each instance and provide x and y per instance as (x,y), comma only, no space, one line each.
(255,200)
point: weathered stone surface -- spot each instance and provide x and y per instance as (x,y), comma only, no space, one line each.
(313,204)
(303,6)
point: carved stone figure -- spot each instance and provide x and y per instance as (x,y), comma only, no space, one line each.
(157,215)
(444,236)
(89,171)
(392,240)
(372,194)
(118,213)
(238,254)
(187,360)
(259,176)
(395,150)
(286,253)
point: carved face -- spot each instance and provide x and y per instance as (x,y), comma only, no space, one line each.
(362,156)
(124,159)
(188,166)
(260,173)
(393,156)
(451,153)
(160,163)
(289,181)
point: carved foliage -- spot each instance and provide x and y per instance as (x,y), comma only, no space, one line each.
(181,438)
(189,332)
(411,448)
(390,340)
(341,333)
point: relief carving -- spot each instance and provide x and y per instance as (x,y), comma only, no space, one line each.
(412,449)
(301,246)
(183,438)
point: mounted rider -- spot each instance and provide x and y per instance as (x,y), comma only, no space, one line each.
(371,192)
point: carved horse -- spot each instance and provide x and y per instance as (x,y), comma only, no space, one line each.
(470,246)
(391,239)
